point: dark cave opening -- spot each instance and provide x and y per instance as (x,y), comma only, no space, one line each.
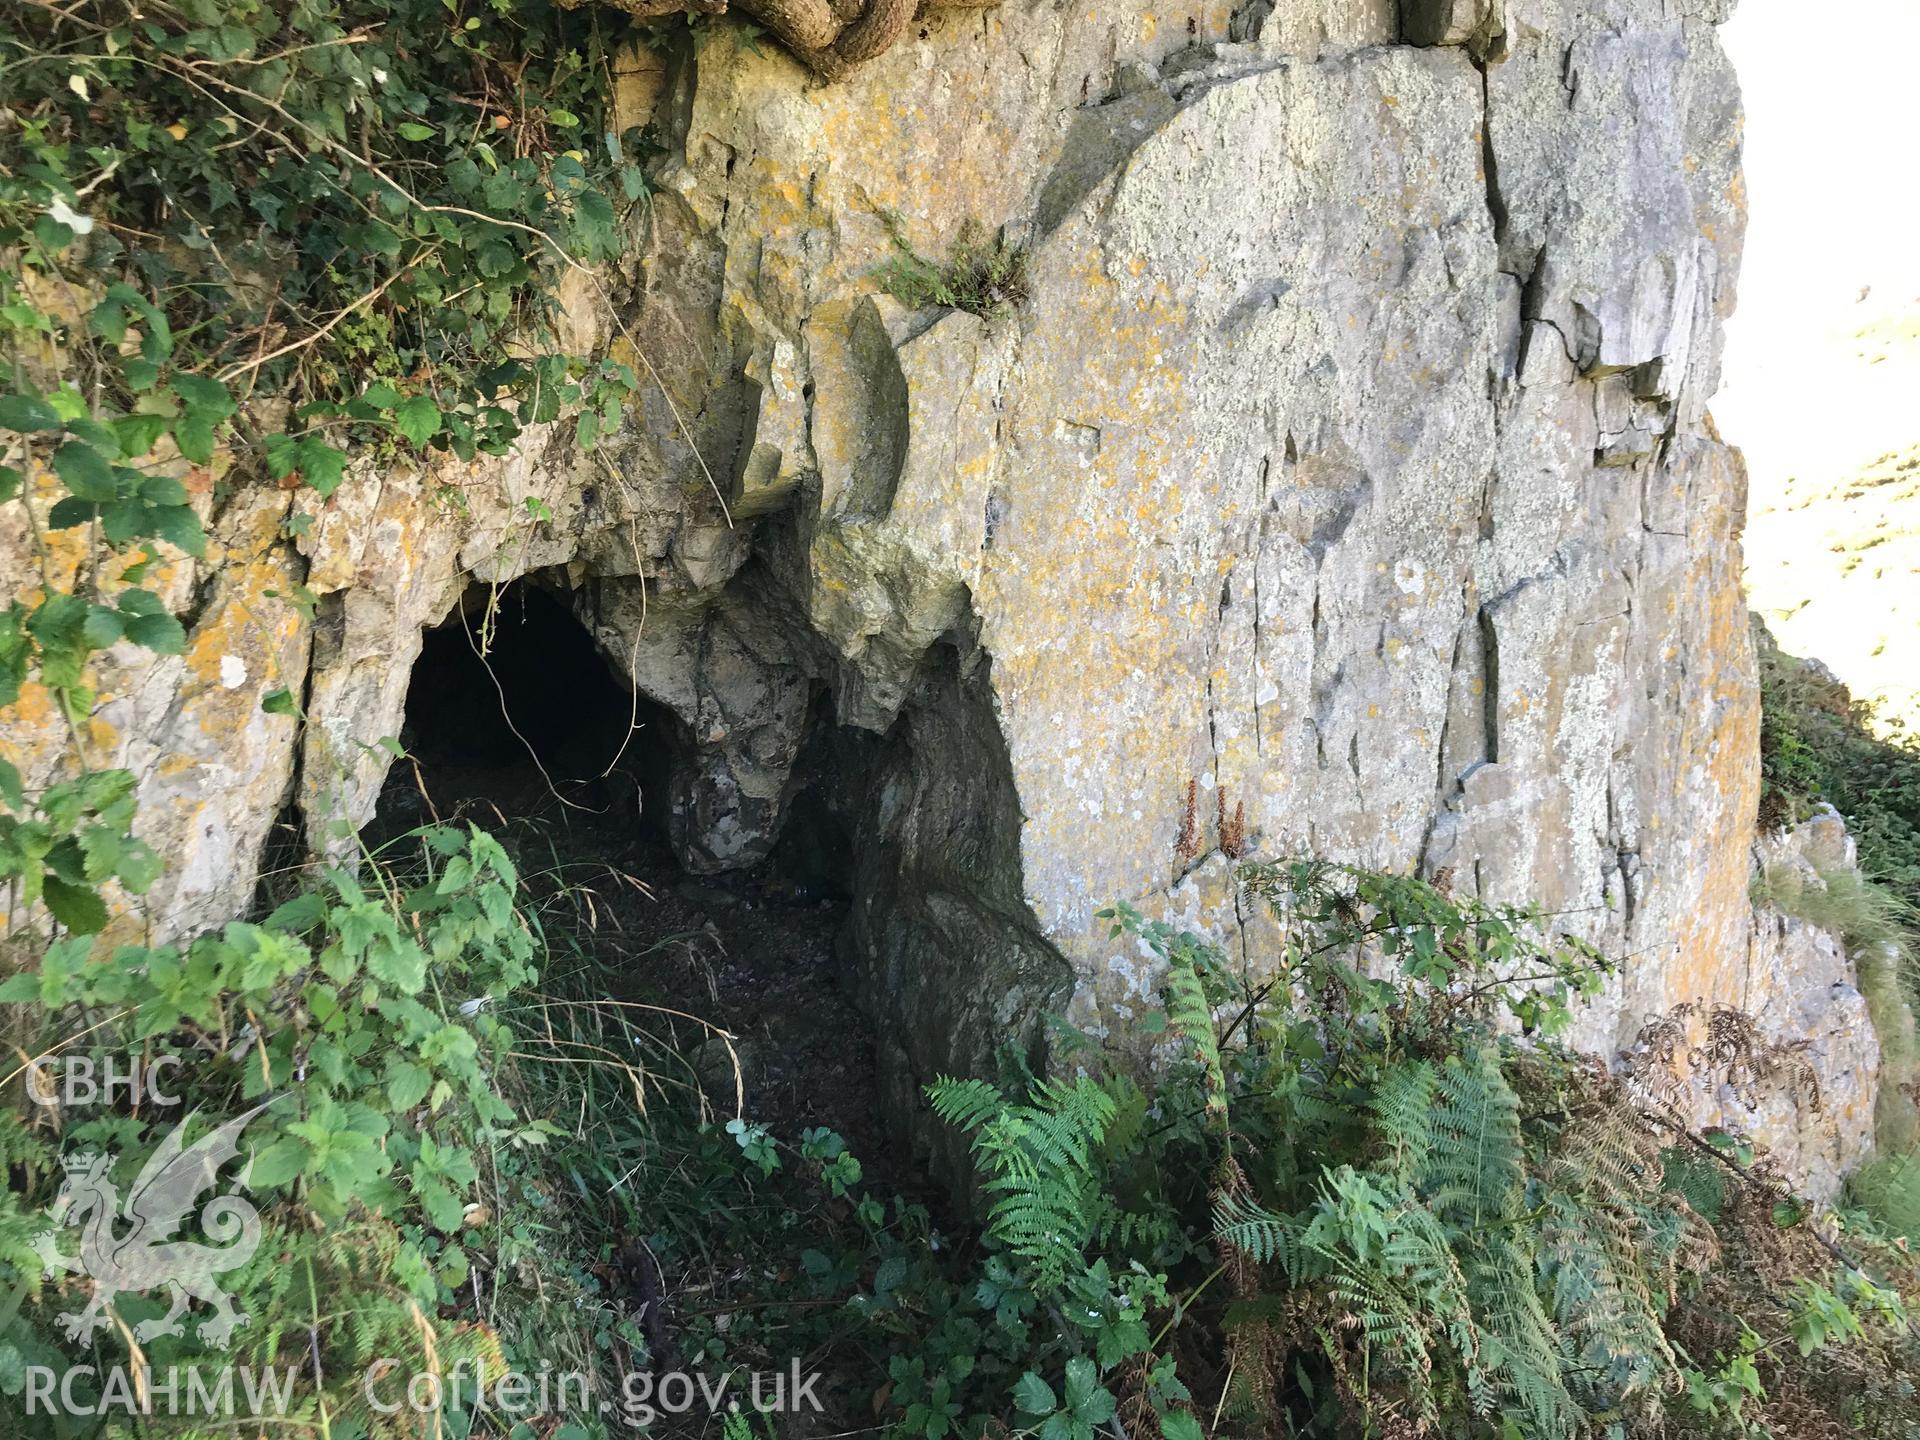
(541,741)
(814,856)
(513,713)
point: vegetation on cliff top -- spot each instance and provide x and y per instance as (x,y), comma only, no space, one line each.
(1819,745)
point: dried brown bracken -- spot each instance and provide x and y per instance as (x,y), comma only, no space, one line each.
(1733,1053)
(1187,846)
(1233,832)
(1257,1341)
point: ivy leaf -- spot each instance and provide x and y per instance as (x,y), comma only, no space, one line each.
(417,418)
(78,907)
(381,240)
(109,320)
(412,130)
(27,413)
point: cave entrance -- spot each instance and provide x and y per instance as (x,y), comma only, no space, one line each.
(516,720)
(514,716)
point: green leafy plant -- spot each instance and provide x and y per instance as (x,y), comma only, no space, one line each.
(1038,1162)
(1888,1190)
(1720,1396)
(1418,1216)
(1818,744)
(985,275)
(171,336)
(416,183)
(1083,1407)
(353,1030)
(1352,1193)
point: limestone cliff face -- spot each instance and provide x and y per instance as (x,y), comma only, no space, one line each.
(1350,460)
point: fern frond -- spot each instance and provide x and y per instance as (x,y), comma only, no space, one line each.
(1243,1224)
(1038,1160)
(1190,1016)
(964,1104)
(1402,1110)
(1475,1164)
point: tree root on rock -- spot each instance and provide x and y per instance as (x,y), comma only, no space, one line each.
(830,37)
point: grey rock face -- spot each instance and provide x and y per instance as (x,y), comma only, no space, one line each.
(1349,460)
(1802,989)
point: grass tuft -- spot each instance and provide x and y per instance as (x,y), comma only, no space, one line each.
(1876,927)
(1865,916)
(1889,1191)
(984,276)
